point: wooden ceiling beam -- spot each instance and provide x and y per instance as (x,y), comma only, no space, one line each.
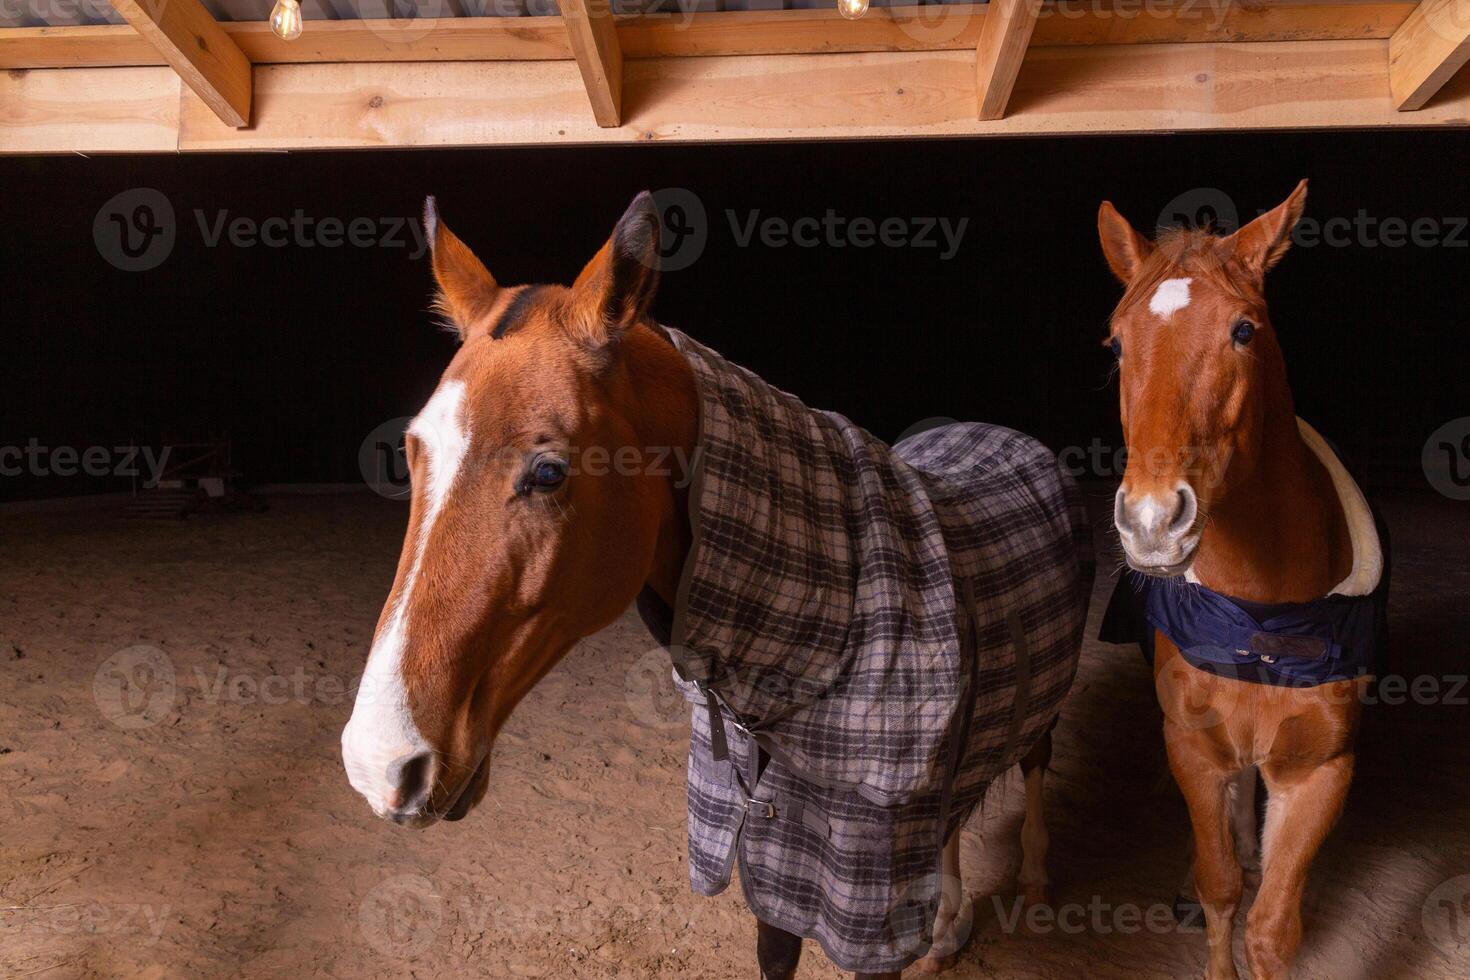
(948,27)
(192,43)
(594,41)
(1004,39)
(1427,50)
(1135,88)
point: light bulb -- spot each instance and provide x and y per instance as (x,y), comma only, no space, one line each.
(286,19)
(852,9)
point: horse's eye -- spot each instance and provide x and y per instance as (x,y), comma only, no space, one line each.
(547,473)
(1242,332)
(1116,346)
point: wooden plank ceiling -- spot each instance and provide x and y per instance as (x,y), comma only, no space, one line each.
(586,74)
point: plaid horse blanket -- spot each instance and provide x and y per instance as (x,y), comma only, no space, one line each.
(869,636)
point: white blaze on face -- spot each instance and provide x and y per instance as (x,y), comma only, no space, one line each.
(381,729)
(1171,297)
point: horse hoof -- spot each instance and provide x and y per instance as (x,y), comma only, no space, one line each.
(1189,914)
(931,965)
(1033,895)
(944,953)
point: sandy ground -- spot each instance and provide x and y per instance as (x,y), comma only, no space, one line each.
(173,802)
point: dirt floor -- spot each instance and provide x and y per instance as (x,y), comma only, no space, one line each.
(173,804)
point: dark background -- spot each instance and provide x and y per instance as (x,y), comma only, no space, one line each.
(296,354)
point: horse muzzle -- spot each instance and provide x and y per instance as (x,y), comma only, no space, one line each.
(1159,532)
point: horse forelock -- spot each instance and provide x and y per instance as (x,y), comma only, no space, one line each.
(1184,253)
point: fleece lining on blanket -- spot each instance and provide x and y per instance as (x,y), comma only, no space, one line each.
(893,627)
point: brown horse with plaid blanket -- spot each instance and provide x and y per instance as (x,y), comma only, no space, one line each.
(870,634)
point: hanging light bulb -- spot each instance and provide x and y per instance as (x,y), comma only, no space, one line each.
(286,19)
(852,9)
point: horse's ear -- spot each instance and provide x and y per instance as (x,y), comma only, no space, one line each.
(1124,248)
(467,291)
(615,290)
(1261,244)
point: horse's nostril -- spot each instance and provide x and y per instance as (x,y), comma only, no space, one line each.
(1185,510)
(409,777)
(1120,512)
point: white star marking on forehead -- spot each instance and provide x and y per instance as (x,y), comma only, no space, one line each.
(1171,297)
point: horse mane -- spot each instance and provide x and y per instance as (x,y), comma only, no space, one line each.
(1179,252)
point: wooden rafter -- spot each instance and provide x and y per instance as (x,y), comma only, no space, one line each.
(950,27)
(191,42)
(1083,89)
(1003,42)
(1431,46)
(594,41)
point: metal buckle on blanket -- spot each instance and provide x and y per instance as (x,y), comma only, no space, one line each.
(761,808)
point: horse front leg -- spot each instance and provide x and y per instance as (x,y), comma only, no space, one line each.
(777,951)
(1302,808)
(953,920)
(1217,877)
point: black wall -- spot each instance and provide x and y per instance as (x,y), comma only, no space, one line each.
(296,353)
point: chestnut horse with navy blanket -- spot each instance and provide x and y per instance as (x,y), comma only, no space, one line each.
(1266,601)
